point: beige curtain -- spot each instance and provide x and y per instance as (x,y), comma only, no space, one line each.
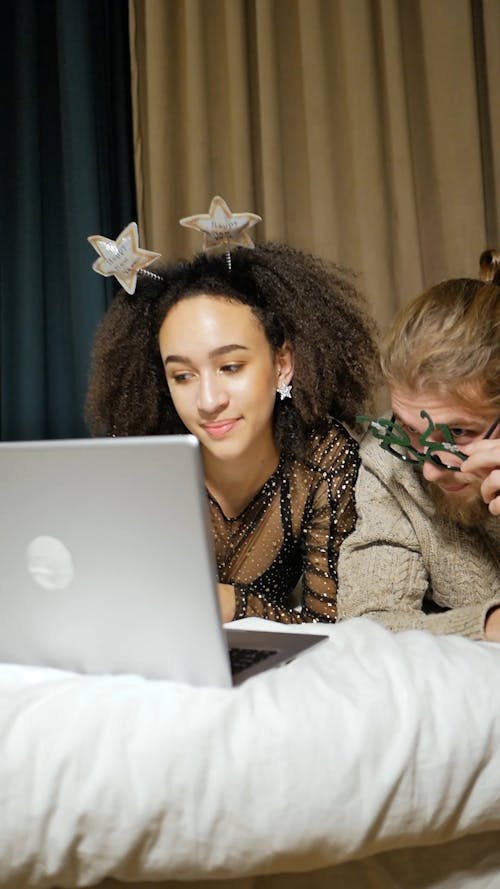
(363,130)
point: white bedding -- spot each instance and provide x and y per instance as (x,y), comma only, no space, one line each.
(371,742)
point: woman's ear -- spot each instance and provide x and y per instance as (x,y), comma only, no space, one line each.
(285,363)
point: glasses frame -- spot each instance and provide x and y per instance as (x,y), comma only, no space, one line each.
(390,433)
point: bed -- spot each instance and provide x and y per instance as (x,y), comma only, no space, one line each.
(371,761)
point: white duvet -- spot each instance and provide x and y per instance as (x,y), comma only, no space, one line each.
(370,742)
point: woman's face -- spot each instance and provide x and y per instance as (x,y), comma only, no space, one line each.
(222,374)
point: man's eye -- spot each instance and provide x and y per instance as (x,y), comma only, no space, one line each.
(409,429)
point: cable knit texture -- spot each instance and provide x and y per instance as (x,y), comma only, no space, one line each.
(404,559)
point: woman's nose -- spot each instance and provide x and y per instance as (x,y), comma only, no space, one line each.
(211,394)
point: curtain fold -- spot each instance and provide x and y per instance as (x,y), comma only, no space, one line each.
(363,130)
(486,18)
(67,172)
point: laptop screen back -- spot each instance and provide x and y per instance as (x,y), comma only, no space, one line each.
(107,563)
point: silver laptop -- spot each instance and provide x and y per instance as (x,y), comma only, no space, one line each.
(106,564)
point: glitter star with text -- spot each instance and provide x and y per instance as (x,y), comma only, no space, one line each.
(221,227)
(123,257)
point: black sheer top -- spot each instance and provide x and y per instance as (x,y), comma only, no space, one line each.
(291,531)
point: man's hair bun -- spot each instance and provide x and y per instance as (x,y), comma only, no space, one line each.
(489,266)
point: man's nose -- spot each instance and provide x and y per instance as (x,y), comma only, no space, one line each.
(432,472)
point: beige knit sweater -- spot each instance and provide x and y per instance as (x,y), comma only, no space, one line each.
(402,551)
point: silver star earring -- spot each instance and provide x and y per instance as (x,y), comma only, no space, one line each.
(284,391)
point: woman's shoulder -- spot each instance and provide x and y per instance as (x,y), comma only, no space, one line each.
(330,447)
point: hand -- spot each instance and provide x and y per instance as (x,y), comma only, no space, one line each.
(484,462)
(492,626)
(227,601)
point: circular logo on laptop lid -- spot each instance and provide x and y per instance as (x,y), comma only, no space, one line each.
(50,563)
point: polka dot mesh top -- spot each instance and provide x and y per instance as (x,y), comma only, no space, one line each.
(291,532)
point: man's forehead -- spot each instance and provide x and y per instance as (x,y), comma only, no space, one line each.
(443,407)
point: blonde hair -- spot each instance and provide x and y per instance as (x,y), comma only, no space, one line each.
(489,266)
(448,339)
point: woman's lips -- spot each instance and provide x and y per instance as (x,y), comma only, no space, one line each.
(220,428)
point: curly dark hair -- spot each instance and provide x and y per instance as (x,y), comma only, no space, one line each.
(297,297)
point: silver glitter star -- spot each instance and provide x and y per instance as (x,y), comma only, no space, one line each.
(123,257)
(222,227)
(285,391)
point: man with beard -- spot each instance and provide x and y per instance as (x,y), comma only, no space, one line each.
(426,549)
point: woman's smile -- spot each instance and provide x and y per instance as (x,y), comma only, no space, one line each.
(220,428)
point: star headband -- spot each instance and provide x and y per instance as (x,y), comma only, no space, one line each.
(124,259)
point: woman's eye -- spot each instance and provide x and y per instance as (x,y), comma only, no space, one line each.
(231,368)
(182,377)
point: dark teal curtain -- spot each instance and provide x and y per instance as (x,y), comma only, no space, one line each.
(66,172)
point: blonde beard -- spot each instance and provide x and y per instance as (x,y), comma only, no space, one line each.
(465,513)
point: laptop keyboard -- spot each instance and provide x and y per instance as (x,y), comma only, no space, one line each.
(242,658)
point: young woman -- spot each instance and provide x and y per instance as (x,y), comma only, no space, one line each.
(263,359)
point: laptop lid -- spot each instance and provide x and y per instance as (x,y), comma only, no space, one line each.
(107,563)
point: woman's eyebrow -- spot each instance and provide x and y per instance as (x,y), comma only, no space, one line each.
(221,350)
(177,359)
